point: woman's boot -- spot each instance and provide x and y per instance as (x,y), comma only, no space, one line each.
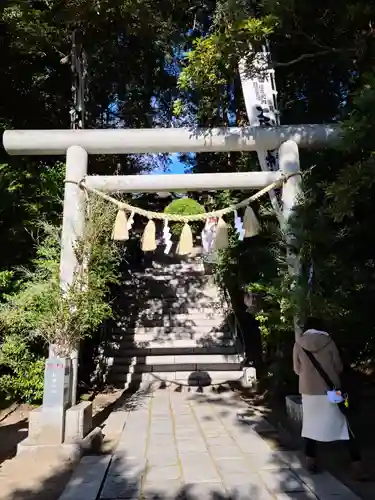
(311,465)
(357,472)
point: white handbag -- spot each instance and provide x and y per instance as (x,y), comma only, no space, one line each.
(335,396)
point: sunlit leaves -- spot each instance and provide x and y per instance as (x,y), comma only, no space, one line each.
(214,58)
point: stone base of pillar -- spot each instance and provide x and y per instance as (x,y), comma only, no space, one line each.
(69,451)
(65,451)
(78,422)
(78,432)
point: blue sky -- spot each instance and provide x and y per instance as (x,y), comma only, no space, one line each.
(176,167)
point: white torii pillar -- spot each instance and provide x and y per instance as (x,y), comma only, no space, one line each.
(260,95)
(289,164)
(72,230)
(61,376)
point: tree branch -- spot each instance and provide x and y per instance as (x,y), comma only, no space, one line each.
(310,56)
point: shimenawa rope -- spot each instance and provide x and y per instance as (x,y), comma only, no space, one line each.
(186,218)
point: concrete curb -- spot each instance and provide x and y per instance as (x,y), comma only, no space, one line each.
(87,479)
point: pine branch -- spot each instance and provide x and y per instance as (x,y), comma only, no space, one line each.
(310,56)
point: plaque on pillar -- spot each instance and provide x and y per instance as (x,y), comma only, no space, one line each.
(57,377)
(56,399)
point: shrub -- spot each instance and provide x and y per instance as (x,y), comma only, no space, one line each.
(36,311)
(25,380)
(184,206)
(39,309)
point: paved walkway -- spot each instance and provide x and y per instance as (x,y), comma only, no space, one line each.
(198,446)
(192,446)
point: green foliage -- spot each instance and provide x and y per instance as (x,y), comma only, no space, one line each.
(259,265)
(337,232)
(214,57)
(36,69)
(29,194)
(355,180)
(5,279)
(178,108)
(25,382)
(184,206)
(38,309)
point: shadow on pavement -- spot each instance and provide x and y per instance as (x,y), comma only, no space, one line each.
(274,469)
(10,436)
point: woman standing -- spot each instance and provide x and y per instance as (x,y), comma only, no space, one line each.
(322,420)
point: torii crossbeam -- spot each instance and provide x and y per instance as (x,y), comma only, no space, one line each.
(166,140)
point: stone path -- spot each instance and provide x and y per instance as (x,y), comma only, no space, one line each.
(203,446)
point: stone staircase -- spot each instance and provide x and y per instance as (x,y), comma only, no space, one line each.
(176,330)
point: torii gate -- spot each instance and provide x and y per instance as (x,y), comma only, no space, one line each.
(78,144)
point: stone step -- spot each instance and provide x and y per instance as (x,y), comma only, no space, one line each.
(166,274)
(181,275)
(152,289)
(163,307)
(173,364)
(158,310)
(195,315)
(145,340)
(197,320)
(193,312)
(177,358)
(186,300)
(178,276)
(174,314)
(161,318)
(188,378)
(175,348)
(170,289)
(179,330)
(170,318)
(176,367)
(216,376)
(205,345)
(192,296)
(187,266)
(169,330)
(147,305)
(178,285)
(176,273)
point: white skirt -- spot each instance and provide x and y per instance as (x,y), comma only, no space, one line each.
(322,420)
